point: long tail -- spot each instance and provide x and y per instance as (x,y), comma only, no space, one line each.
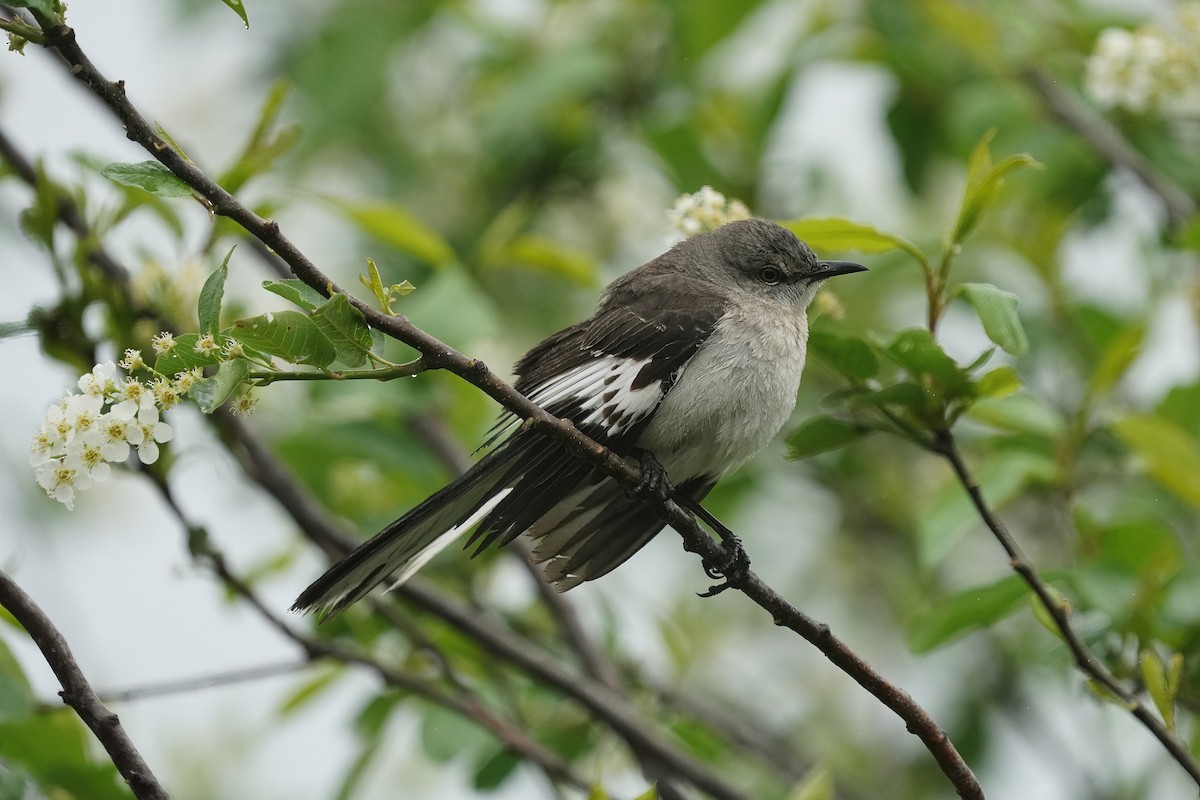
(411,541)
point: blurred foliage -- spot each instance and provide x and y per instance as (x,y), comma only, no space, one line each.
(508,160)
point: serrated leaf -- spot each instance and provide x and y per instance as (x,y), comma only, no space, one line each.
(183,357)
(1000,382)
(346,328)
(212,392)
(850,355)
(295,291)
(1170,453)
(208,310)
(965,611)
(821,435)
(836,235)
(396,226)
(239,9)
(290,335)
(149,175)
(997,310)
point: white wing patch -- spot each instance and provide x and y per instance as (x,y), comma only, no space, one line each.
(604,388)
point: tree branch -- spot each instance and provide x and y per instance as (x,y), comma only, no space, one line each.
(438,355)
(464,703)
(1059,610)
(78,694)
(1067,108)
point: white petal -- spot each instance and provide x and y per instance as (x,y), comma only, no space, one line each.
(100,472)
(148,452)
(163,432)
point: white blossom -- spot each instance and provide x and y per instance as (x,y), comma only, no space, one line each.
(153,433)
(163,343)
(1149,69)
(207,345)
(132,360)
(705,210)
(99,382)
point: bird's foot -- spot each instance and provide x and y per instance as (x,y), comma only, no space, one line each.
(654,481)
(732,567)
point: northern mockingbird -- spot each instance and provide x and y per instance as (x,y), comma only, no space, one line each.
(692,360)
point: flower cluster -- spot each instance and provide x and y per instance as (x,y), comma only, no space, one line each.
(83,433)
(1151,68)
(705,210)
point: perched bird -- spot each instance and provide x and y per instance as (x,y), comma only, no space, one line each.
(692,360)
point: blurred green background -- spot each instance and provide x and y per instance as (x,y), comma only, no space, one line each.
(511,158)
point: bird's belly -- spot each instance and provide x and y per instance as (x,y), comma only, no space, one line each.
(728,403)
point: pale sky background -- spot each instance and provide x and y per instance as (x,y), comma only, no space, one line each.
(114,574)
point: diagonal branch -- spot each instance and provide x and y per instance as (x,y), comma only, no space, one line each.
(78,693)
(463,703)
(1059,611)
(1073,113)
(438,355)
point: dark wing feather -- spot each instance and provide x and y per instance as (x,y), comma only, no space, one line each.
(528,476)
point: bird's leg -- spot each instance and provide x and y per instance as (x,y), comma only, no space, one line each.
(654,482)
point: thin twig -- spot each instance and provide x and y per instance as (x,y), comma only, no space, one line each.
(441,356)
(464,704)
(260,463)
(78,694)
(1072,112)
(1060,612)
(187,685)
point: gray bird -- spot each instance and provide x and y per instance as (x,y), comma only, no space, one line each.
(691,361)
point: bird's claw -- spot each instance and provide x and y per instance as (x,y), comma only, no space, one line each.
(733,567)
(654,482)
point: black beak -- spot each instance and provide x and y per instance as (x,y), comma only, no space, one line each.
(831,269)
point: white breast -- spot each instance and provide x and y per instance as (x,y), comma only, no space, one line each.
(733,396)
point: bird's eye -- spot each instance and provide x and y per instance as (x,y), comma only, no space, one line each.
(770,275)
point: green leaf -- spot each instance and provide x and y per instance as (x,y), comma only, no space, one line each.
(1020,413)
(16,696)
(836,235)
(1171,454)
(1120,353)
(649,794)
(346,328)
(396,226)
(50,8)
(308,691)
(384,296)
(1000,382)
(296,291)
(917,351)
(495,770)
(183,357)
(984,181)
(816,785)
(550,257)
(265,143)
(149,175)
(820,435)
(1154,675)
(445,734)
(290,335)
(997,310)
(852,356)
(239,9)
(1003,478)
(212,392)
(208,310)
(965,611)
